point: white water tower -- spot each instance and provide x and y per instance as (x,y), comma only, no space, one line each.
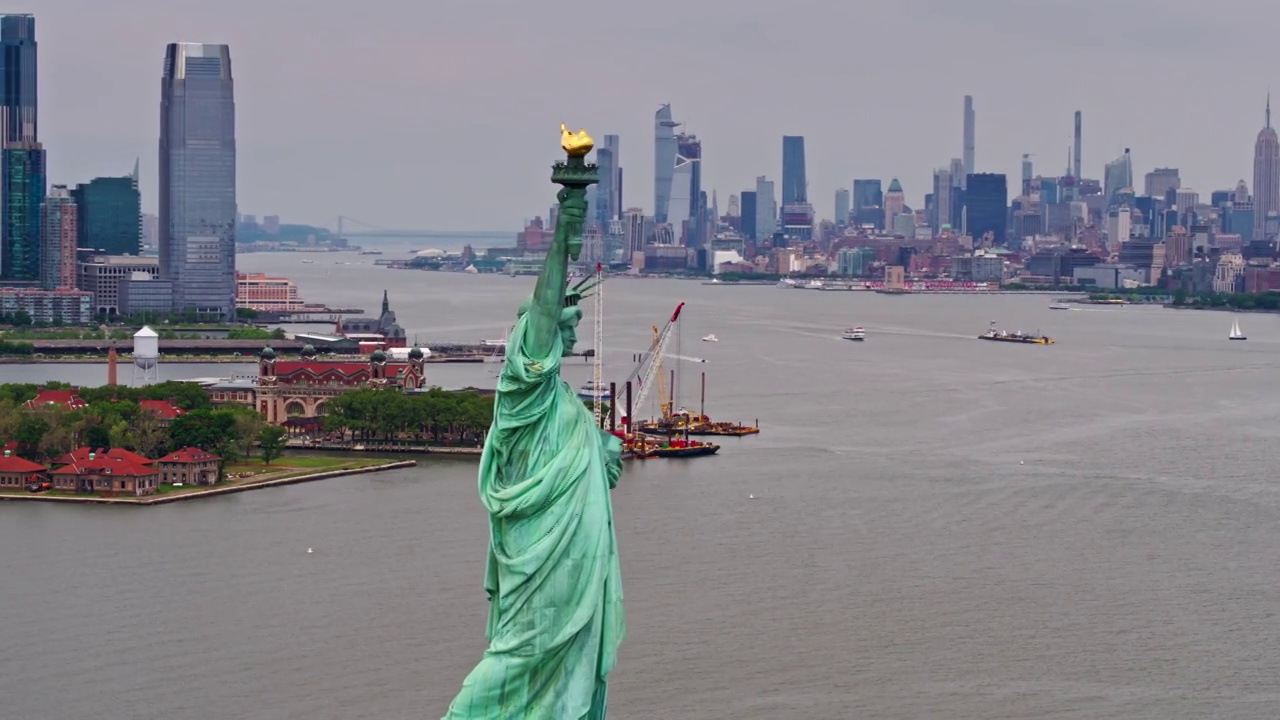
(146,357)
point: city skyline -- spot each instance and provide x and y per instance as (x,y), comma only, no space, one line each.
(397,101)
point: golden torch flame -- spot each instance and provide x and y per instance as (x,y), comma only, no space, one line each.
(575,144)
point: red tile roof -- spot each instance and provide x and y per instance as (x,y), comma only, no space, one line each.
(105,466)
(81,456)
(162,409)
(14,464)
(69,399)
(188,455)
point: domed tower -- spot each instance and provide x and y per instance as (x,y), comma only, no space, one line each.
(416,377)
(378,365)
(267,362)
(308,352)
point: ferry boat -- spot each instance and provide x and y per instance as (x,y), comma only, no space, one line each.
(1235,331)
(590,391)
(370,252)
(711,338)
(1014,337)
(1059,306)
(854,333)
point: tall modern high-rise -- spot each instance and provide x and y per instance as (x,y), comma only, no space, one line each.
(867,201)
(22,189)
(609,191)
(686,208)
(1160,181)
(18,76)
(58,240)
(109,215)
(895,203)
(794,181)
(968,138)
(986,206)
(747,225)
(1266,176)
(842,207)
(198,178)
(942,183)
(766,209)
(1117,176)
(1079,138)
(1027,172)
(664,161)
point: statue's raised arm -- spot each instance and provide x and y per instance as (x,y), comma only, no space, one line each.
(552,577)
(549,297)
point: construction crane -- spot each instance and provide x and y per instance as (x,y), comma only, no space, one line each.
(597,365)
(652,370)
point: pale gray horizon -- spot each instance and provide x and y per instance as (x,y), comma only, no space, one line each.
(445,116)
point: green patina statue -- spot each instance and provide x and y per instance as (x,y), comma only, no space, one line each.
(553,581)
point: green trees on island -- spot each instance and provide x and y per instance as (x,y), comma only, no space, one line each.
(114,418)
(387,414)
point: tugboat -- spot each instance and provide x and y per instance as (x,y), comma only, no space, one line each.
(854,333)
(1014,337)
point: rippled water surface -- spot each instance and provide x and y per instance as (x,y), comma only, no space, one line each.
(942,528)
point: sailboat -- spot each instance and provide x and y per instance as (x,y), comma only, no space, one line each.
(1235,331)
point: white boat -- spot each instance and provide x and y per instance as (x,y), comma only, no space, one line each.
(1059,306)
(711,338)
(813,285)
(590,391)
(854,333)
(1235,331)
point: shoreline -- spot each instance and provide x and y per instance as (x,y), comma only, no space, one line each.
(419,449)
(147,500)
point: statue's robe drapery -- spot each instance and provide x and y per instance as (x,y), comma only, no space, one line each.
(553,581)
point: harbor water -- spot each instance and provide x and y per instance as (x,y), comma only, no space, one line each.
(928,526)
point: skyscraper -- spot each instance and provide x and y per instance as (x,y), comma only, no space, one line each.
(18,77)
(968,137)
(109,215)
(941,198)
(1075,170)
(748,222)
(1266,176)
(609,191)
(22,188)
(58,240)
(986,200)
(686,208)
(664,161)
(794,182)
(766,209)
(198,178)
(895,202)
(867,202)
(842,207)
(1117,176)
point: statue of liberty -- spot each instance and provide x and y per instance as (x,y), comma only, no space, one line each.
(553,581)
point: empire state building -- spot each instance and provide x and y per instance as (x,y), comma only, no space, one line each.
(1266,176)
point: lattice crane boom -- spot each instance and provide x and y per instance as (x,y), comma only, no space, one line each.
(653,368)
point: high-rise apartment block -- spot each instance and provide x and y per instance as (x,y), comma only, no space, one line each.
(58,240)
(22,188)
(198,179)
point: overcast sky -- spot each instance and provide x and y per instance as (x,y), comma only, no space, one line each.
(434,115)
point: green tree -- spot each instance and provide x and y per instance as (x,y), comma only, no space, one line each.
(28,433)
(271,441)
